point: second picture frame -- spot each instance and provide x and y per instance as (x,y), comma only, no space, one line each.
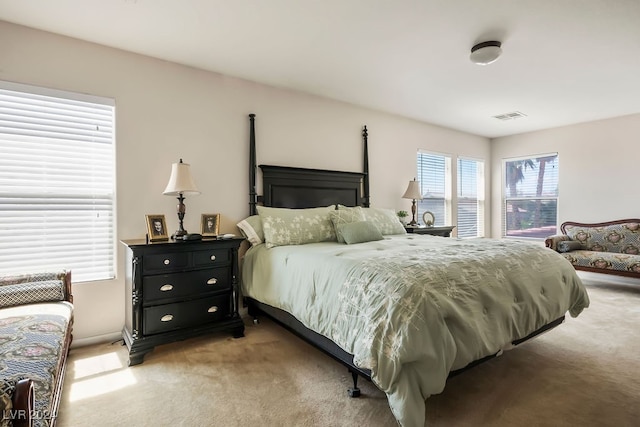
(210,225)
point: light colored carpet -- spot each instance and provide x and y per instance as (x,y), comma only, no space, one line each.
(585,372)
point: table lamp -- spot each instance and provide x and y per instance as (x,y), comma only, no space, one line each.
(180,183)
(413,193)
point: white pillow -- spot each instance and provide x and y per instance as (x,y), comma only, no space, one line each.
(251,229)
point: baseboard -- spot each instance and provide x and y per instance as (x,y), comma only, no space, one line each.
(99,339)
(595,278)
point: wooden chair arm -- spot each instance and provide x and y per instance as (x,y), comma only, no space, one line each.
(23,403)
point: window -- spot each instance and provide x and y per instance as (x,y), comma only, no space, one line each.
(470,198)
(57,182)
(530,207)
(435,186)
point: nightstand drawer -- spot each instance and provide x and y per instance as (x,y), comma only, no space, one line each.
(163,318)
(180,285)
(211,257)
(169,261)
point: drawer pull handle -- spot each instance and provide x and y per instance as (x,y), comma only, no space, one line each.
(212,281)
(213,257)
(166,318)
(165,288)
(213,309)
(167,262)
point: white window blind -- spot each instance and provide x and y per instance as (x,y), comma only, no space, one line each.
(57,182)
(530,201)
(435,183)
(470,198)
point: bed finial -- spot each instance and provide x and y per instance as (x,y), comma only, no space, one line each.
(252,165)
(365,199)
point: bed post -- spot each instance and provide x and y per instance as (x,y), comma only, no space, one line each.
(252,165)
(365,199)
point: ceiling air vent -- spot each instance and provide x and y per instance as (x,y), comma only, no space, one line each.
(510,116)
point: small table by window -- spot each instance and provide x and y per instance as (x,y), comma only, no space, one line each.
(444,231)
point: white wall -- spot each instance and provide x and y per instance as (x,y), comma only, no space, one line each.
(165,111)
(599,170)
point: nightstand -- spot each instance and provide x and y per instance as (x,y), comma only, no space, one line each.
(444,231)
(177,290)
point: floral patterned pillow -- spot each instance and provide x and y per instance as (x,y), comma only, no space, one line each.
(385,219)
(284,227)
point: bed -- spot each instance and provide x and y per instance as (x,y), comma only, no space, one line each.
(405,311)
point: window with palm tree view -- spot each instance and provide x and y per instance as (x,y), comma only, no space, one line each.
(530,207)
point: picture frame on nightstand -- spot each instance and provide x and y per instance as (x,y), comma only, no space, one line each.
(156,228)
(210,225)
(428,218)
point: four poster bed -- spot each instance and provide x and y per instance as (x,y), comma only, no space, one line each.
(405,311)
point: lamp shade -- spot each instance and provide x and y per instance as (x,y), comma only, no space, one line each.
(180,181)
(413,191)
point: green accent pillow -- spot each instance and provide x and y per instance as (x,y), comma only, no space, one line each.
(251,229)
(358,232)
(284,227)
(345,216)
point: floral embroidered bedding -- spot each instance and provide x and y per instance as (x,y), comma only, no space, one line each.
(413,308)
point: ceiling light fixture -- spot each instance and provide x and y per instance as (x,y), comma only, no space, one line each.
(486,52)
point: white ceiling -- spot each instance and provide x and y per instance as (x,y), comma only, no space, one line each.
(564,61)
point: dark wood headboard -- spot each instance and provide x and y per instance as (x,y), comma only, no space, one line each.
(290,187)
(286,187)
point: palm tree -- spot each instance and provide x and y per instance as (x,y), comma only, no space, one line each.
(542,163)
(515,175)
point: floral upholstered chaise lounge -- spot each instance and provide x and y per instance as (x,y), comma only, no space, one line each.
(608,247)
(36,317)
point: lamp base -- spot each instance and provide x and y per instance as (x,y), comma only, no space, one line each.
(178,234)
(181,210)
(413,222)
